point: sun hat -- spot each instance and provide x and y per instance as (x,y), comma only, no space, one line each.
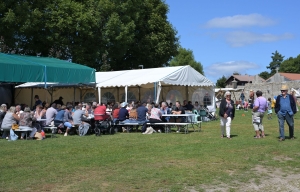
(124,104)
(284,87)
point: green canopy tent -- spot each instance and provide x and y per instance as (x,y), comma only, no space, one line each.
(19,69)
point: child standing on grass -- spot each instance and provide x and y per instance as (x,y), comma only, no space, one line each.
(269,108)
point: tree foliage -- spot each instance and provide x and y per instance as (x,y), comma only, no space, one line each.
(265,75)
(277,59)
(117,34)
(221,82)
(186,57)
(291,65)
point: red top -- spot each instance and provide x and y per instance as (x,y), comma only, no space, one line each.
(100,113)
(116,113)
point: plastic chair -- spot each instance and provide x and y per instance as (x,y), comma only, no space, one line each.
(202,114)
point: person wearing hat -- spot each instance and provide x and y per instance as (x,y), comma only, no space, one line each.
(123,113)
(226,114)
(59,101)
(285,108)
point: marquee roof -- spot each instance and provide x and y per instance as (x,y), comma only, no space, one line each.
(180,75)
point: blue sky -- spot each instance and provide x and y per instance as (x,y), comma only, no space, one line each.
(229,36)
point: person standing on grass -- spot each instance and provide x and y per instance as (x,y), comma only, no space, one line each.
(226,114)
(285,108)
(259,107)
(269,108)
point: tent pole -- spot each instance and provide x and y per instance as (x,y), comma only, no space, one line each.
(31,97)
(126,88)
(155,95)
(74,96)
(186,93)
(99,95)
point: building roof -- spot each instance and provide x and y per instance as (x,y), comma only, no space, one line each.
(291,76)
(241,78)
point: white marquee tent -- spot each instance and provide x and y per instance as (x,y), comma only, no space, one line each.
(164,83)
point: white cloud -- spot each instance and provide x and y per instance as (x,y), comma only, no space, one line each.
(217,70)
(238,21)
(242,38)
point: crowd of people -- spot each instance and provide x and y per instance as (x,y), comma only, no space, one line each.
(65,117)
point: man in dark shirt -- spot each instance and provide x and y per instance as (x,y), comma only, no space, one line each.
(189,106)
(59,101)
(141,112)
(179,111)
(123,113)
(37,102)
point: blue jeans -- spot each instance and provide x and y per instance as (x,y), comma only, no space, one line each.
(290,121)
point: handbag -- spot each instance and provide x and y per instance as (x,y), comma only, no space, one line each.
(14,126)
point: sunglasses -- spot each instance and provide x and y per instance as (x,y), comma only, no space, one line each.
(283,90)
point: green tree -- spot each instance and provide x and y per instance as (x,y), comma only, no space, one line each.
(265,75)
(186,57)
(117,34)
(277,59)
(291,65)
(221,82)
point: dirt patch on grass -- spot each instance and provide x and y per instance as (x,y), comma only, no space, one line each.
(267,180)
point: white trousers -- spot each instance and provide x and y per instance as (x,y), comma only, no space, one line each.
(225,123)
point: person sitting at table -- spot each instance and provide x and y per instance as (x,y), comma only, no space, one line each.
(40,112)
(197,106)
(133,113)
(155,117)
(58,107)
(100,113)
(189,106)
(3,109)
(88,109)
(50,114)
(164,109)
(18,110)
(26,119)
(149,106)
(115,111)
(179,110)
(109,108)
(68,120)
(123,114)
(59,119)
(77,120)
(10,118)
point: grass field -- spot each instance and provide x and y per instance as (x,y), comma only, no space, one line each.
(198,161)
